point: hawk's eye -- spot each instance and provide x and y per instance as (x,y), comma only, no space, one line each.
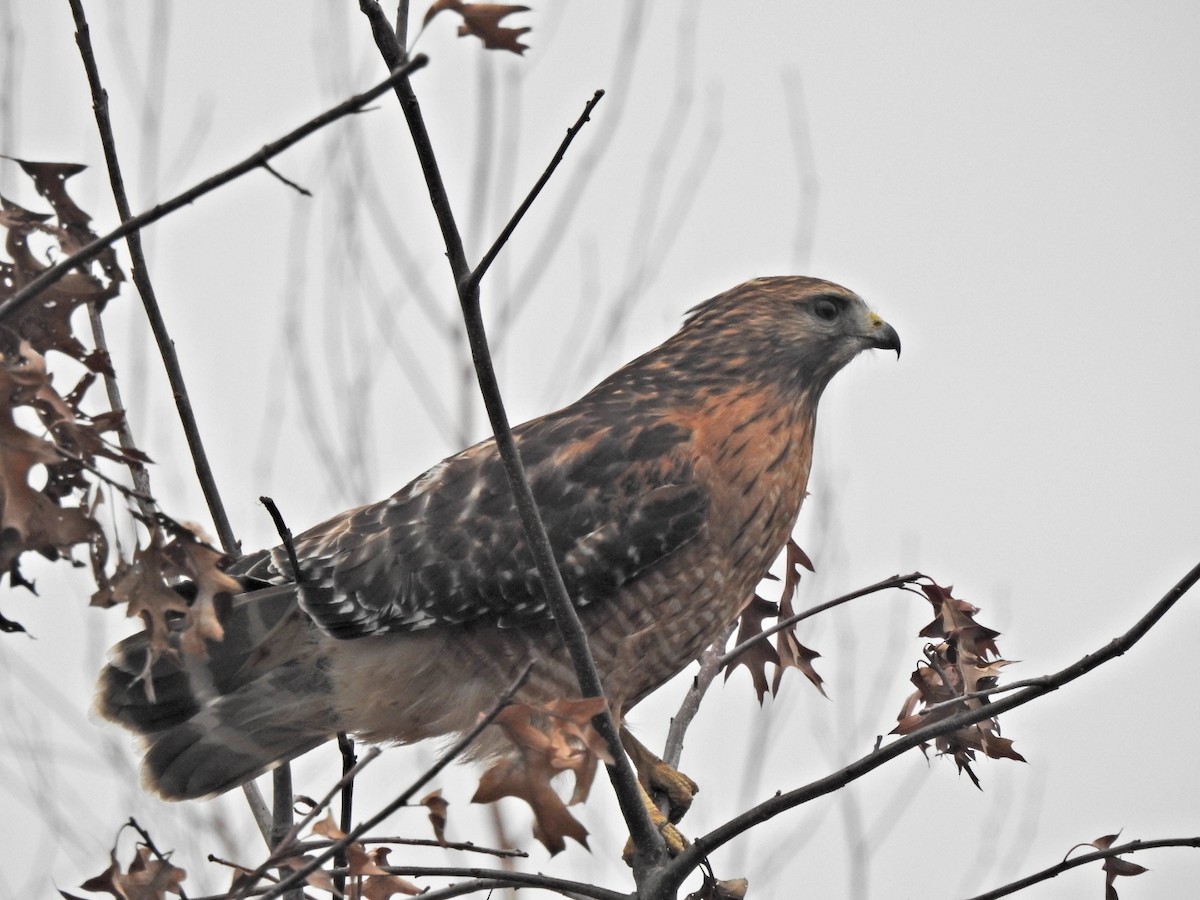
(826,309)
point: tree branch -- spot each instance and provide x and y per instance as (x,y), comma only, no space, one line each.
(895,581)
(680,867)
(253,161)
(1066,864)
(646,837)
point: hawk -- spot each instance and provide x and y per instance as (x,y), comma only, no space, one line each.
(667,491)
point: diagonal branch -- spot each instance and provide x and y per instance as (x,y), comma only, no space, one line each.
(680,867)
(895,581)
(254,161)
(646,837)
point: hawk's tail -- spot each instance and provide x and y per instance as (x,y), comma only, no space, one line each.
(209,724)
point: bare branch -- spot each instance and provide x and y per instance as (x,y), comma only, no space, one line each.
(1067,864)
(251,162)
(465,846)
(679,868)
(711,663)
(896,581)
(506,232)
(501,878)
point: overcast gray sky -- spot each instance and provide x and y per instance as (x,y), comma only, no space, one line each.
(1013,186)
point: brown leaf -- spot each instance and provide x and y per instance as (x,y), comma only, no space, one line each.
(757,655)
(318,878)
(214,589)
(1117,866)
(712,889)
(791,652)
(483,21)
(148,878)
(437,805)
(547,741)
(327,828)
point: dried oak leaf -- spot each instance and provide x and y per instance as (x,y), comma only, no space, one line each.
(318,878)
(1114,866)
(547,740)
(371,880)
(214,589)
(757,655)
(179,591)
(483,21)
(437,806)
(791,651)
(148,878)
(378,883)
(788,651)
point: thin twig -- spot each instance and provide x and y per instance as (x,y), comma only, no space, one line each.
(141,276)
(1039,681)
(651,850)
(141,492)
(287,845)
(894,582)
(465,846)
(250,163)
(680,867)
(285,538)
(501,879)
(153,848)
(1057,869)
(511,226)
(446,758)
(710,667)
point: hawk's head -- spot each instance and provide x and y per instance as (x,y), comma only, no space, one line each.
(786,327)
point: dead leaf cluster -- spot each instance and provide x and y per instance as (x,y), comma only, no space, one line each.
(71,442)
(962,659)
(56,517)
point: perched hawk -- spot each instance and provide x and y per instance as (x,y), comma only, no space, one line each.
(667,491)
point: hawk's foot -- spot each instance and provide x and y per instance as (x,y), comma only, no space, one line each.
(657,776)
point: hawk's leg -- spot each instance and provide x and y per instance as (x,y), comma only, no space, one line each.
(657,777)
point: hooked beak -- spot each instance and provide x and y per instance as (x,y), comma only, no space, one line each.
(881,335)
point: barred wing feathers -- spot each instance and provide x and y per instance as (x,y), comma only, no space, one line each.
(449,547)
